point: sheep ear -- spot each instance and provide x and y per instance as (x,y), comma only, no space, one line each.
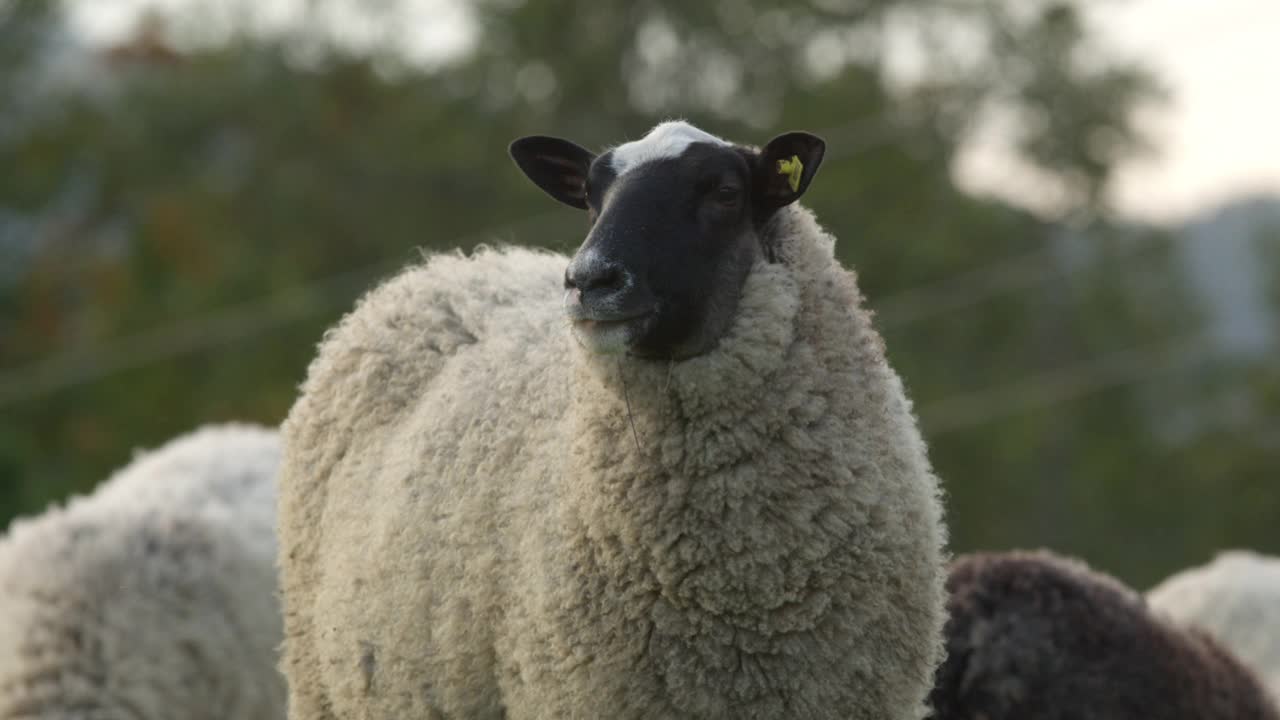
(785,167)
(557,166)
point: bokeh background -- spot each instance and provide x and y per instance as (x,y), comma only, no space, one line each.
(1067,216)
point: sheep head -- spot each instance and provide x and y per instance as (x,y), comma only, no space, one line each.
(676,222)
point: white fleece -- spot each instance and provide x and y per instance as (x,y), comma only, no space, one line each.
(155,597)
(1236,599)
(470,528)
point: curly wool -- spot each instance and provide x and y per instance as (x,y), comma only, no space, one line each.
(1034,636)
(479,520)
(1236,599)
(153,598)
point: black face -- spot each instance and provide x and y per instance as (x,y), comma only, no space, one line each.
(672,238)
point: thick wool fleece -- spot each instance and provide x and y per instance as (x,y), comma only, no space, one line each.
(1236,599)
(153,598)
(1033,636)
(470,527)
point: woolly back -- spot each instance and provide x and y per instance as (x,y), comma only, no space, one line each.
(152,599)
(1034,636)
(225,471)
(1236,599)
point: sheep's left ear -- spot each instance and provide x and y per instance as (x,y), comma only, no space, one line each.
(557,166)
(785,168)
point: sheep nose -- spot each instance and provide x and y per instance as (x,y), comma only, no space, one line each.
(595,278)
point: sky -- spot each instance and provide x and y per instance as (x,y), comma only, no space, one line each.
(1219,136)
(1217,139)
(1222,137)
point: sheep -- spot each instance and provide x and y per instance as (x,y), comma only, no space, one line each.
(1236,599)
(671,477)
(153,597)
(1035,636)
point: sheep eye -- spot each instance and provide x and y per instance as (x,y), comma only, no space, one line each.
(727,195)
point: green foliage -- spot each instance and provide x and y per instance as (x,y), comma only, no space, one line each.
(184,224)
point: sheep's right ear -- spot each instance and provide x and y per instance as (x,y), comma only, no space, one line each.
(557,166)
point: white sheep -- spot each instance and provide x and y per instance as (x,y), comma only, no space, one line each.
(1236,599)
(677,480)
(154,597)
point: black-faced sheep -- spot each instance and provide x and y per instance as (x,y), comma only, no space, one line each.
(1033,636)
(153,598)
(673,477)
(1236,599)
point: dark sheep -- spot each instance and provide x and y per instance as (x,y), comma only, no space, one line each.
(1034,636)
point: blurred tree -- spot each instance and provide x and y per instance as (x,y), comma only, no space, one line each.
(191,212)
(1074,106)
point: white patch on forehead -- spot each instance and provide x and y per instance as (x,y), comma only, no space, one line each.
(666,140)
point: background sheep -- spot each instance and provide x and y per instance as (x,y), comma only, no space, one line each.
(703,496)
(1033,636)
(1236,599)
(154,597)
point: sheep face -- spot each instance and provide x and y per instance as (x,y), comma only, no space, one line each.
(676,220)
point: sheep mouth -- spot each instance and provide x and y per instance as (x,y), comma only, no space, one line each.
(610,336)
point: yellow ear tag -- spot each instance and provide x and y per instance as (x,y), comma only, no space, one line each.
(793,169)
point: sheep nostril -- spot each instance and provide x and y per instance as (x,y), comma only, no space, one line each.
(596,278)
(609,279)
